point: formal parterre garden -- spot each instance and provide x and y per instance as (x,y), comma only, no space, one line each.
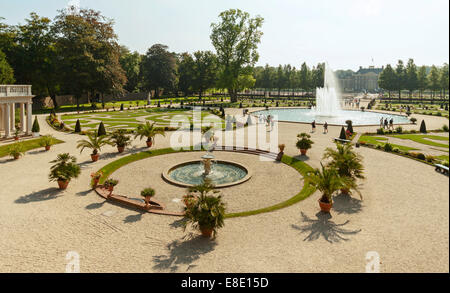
(130,119)
(438,109)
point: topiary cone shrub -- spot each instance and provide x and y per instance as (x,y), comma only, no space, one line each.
(101,129)
(78,126)
(423,127)
(121,107)
(343,135)
(35,127)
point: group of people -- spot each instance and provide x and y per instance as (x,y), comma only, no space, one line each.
(325,127)
(385,123)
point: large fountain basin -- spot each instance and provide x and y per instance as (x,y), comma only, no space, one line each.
(359,118)
(190,173)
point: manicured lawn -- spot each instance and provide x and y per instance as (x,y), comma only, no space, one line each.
(375,140)
(27,145)
(424,139)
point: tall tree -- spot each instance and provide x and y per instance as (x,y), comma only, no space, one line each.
(305,77)
(444,78)
(411,77)
(205,71)
(130,62)
(318,75)
(422,80)
(236,40)
(185,73)
(89,53)
(387,79)
(6,72)
(433,80)
(400,79)
(280,81)
(158,68)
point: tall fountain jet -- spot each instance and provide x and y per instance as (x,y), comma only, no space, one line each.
(327,98)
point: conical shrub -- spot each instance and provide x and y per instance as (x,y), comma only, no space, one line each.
(343,135)
(78,126)
(35,127)
(423,127)
(101,129)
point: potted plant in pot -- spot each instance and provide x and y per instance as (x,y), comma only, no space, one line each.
(207,213)
(16,134)
(47,141)
(304,143)
(328,182)
(64,170)
(147,194)
(95,143)
(110,184)
(348,165)
(120,139)
(189,199)
(96,178)
(281,153)
(35,129)
(16,150)
(149,131)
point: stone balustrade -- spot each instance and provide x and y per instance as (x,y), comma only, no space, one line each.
(15,90)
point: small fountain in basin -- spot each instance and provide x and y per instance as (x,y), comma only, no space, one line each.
(221,173)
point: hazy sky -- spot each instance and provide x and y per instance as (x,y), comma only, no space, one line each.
(346,33)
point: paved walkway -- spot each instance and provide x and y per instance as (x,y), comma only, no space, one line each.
(404,217)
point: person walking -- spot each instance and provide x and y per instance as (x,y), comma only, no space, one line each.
(325,127)
(386,123)
(391,123)
(313,124)
(381,122)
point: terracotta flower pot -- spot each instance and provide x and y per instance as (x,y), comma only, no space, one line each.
(63,184)
(147,202)
(345,190)
(149,143)
(95,157)
(325,207)
(96,181)
(16,138)
(111,188)
(120,149)
(47,148)
(206,232)
(303,152)
(17,157)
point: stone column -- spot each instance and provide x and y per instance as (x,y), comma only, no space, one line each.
(7,120)
(22,117)
(13,117)
(29,117)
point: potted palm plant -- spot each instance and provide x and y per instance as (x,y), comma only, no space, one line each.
(304,143)
(120,139)
(47,141)
(95,143)
(149,131)
(328,182)
(64,170)
(147,194)
(207,213)
(16,150)
(347,163)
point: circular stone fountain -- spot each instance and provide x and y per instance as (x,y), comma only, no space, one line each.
(221,173)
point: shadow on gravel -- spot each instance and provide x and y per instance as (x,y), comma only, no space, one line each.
(322,226)
(183,253)
(95,205)
(133,218)
(43,195)
(345,204)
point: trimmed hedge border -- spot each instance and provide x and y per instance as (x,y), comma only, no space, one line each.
(298,165)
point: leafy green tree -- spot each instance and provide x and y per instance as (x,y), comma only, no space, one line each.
(422,80)
(280,81)
(387,79)
(185,73)
(444,78)
(6,72)
(305,77)
(158,69)
(236,40)
(245,81)
(433,80)
(318,75)
(204,71)
(265,78)
(411,77)
(400,80)
(130,62)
